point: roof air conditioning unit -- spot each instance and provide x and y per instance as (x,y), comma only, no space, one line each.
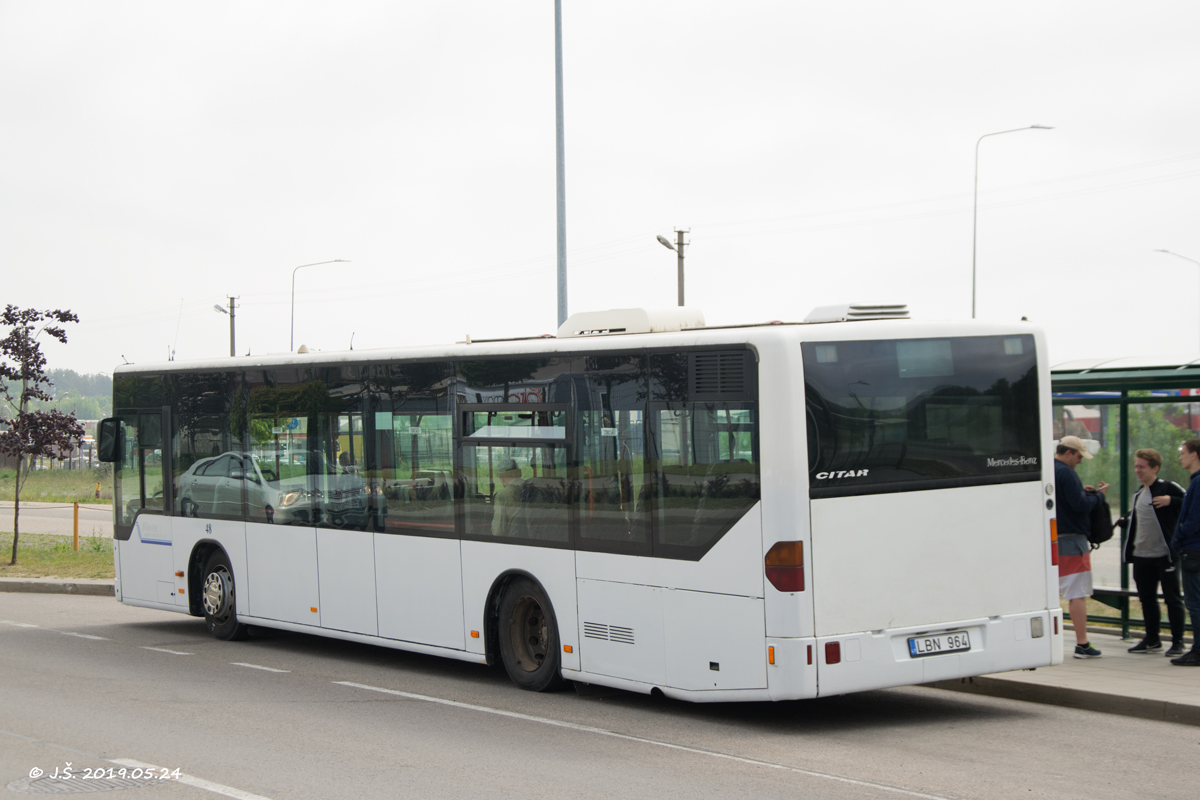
(855,312)
(630,320)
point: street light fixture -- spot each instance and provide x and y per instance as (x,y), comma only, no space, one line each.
(1185,258)
(292,335)
(975,209)
(678,248)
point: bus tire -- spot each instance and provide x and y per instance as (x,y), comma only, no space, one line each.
(528,634)
(217,597)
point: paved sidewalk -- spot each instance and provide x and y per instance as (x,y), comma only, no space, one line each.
(1147,686)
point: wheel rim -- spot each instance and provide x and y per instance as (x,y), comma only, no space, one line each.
(218,594)
(529,633)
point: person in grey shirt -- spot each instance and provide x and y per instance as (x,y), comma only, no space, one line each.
(1151,525)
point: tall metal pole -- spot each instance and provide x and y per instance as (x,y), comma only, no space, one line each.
(975,204)
(560,163)
(679,259)
(292,335)
(232,311)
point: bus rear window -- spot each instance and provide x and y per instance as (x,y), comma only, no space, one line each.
(911,414)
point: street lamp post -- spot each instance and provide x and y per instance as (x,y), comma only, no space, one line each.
(975,207)
(232,312)
(678,248)
(292,335)
(1185,258)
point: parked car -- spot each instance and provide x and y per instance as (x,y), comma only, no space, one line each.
(324,495)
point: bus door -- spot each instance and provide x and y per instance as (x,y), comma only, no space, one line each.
(418,561)
(281,546)
(142,504)
(345,542)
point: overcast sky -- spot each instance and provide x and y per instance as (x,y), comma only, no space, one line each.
(159,157)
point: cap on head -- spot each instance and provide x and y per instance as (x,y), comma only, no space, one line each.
(1076,444)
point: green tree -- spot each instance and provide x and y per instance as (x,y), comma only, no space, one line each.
(30,432)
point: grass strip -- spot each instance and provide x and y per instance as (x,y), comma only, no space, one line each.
(42,556)
(60,486)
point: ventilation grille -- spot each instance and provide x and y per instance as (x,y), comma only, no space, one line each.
(607,633)
(718,376)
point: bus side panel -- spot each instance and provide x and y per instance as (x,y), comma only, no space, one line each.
(346,580)
(553,568)
(281,565)
(146,561)
(622,626)
(714,641)
(420,589)
(922,558)
(231,535)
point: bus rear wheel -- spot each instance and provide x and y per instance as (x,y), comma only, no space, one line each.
(217,597)
(529,645)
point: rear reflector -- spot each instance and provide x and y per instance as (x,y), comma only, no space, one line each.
(833,652)
(810,655)
(1054,542)
(785,566)
(1056,626)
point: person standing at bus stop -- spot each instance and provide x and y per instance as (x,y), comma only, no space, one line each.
(1187,544)
(1152,522)
(1075,506)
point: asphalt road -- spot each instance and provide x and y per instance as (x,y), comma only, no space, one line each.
(293,716)
(58,518)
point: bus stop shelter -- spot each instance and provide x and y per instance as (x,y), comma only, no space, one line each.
(1119,406)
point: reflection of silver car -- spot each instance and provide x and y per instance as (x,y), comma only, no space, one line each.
(324,495)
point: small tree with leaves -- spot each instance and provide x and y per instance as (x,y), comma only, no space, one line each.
(29,434)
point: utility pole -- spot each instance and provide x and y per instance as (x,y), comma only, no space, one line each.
(232,312)
(679,245)
(678,248)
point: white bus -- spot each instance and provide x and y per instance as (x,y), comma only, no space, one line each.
(760,512)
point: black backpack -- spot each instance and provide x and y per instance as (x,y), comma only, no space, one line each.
(1100,525)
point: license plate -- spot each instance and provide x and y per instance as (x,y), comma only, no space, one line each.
(937,644)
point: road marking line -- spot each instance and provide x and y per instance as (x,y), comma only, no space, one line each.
(190,780)
(256,666)
(643,740)
(17,624)
(84,636)
(165,650)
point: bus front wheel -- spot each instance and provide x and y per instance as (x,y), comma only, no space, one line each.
(217,597)
(529,645)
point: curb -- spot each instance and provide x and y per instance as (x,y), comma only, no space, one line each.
(1143,708)
(99,588)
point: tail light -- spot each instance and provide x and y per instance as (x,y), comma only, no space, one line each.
(833,652)
(1054,542)
(785,566)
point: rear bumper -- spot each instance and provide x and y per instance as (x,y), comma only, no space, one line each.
(881,659)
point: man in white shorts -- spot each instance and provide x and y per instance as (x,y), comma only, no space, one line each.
(1075,506)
